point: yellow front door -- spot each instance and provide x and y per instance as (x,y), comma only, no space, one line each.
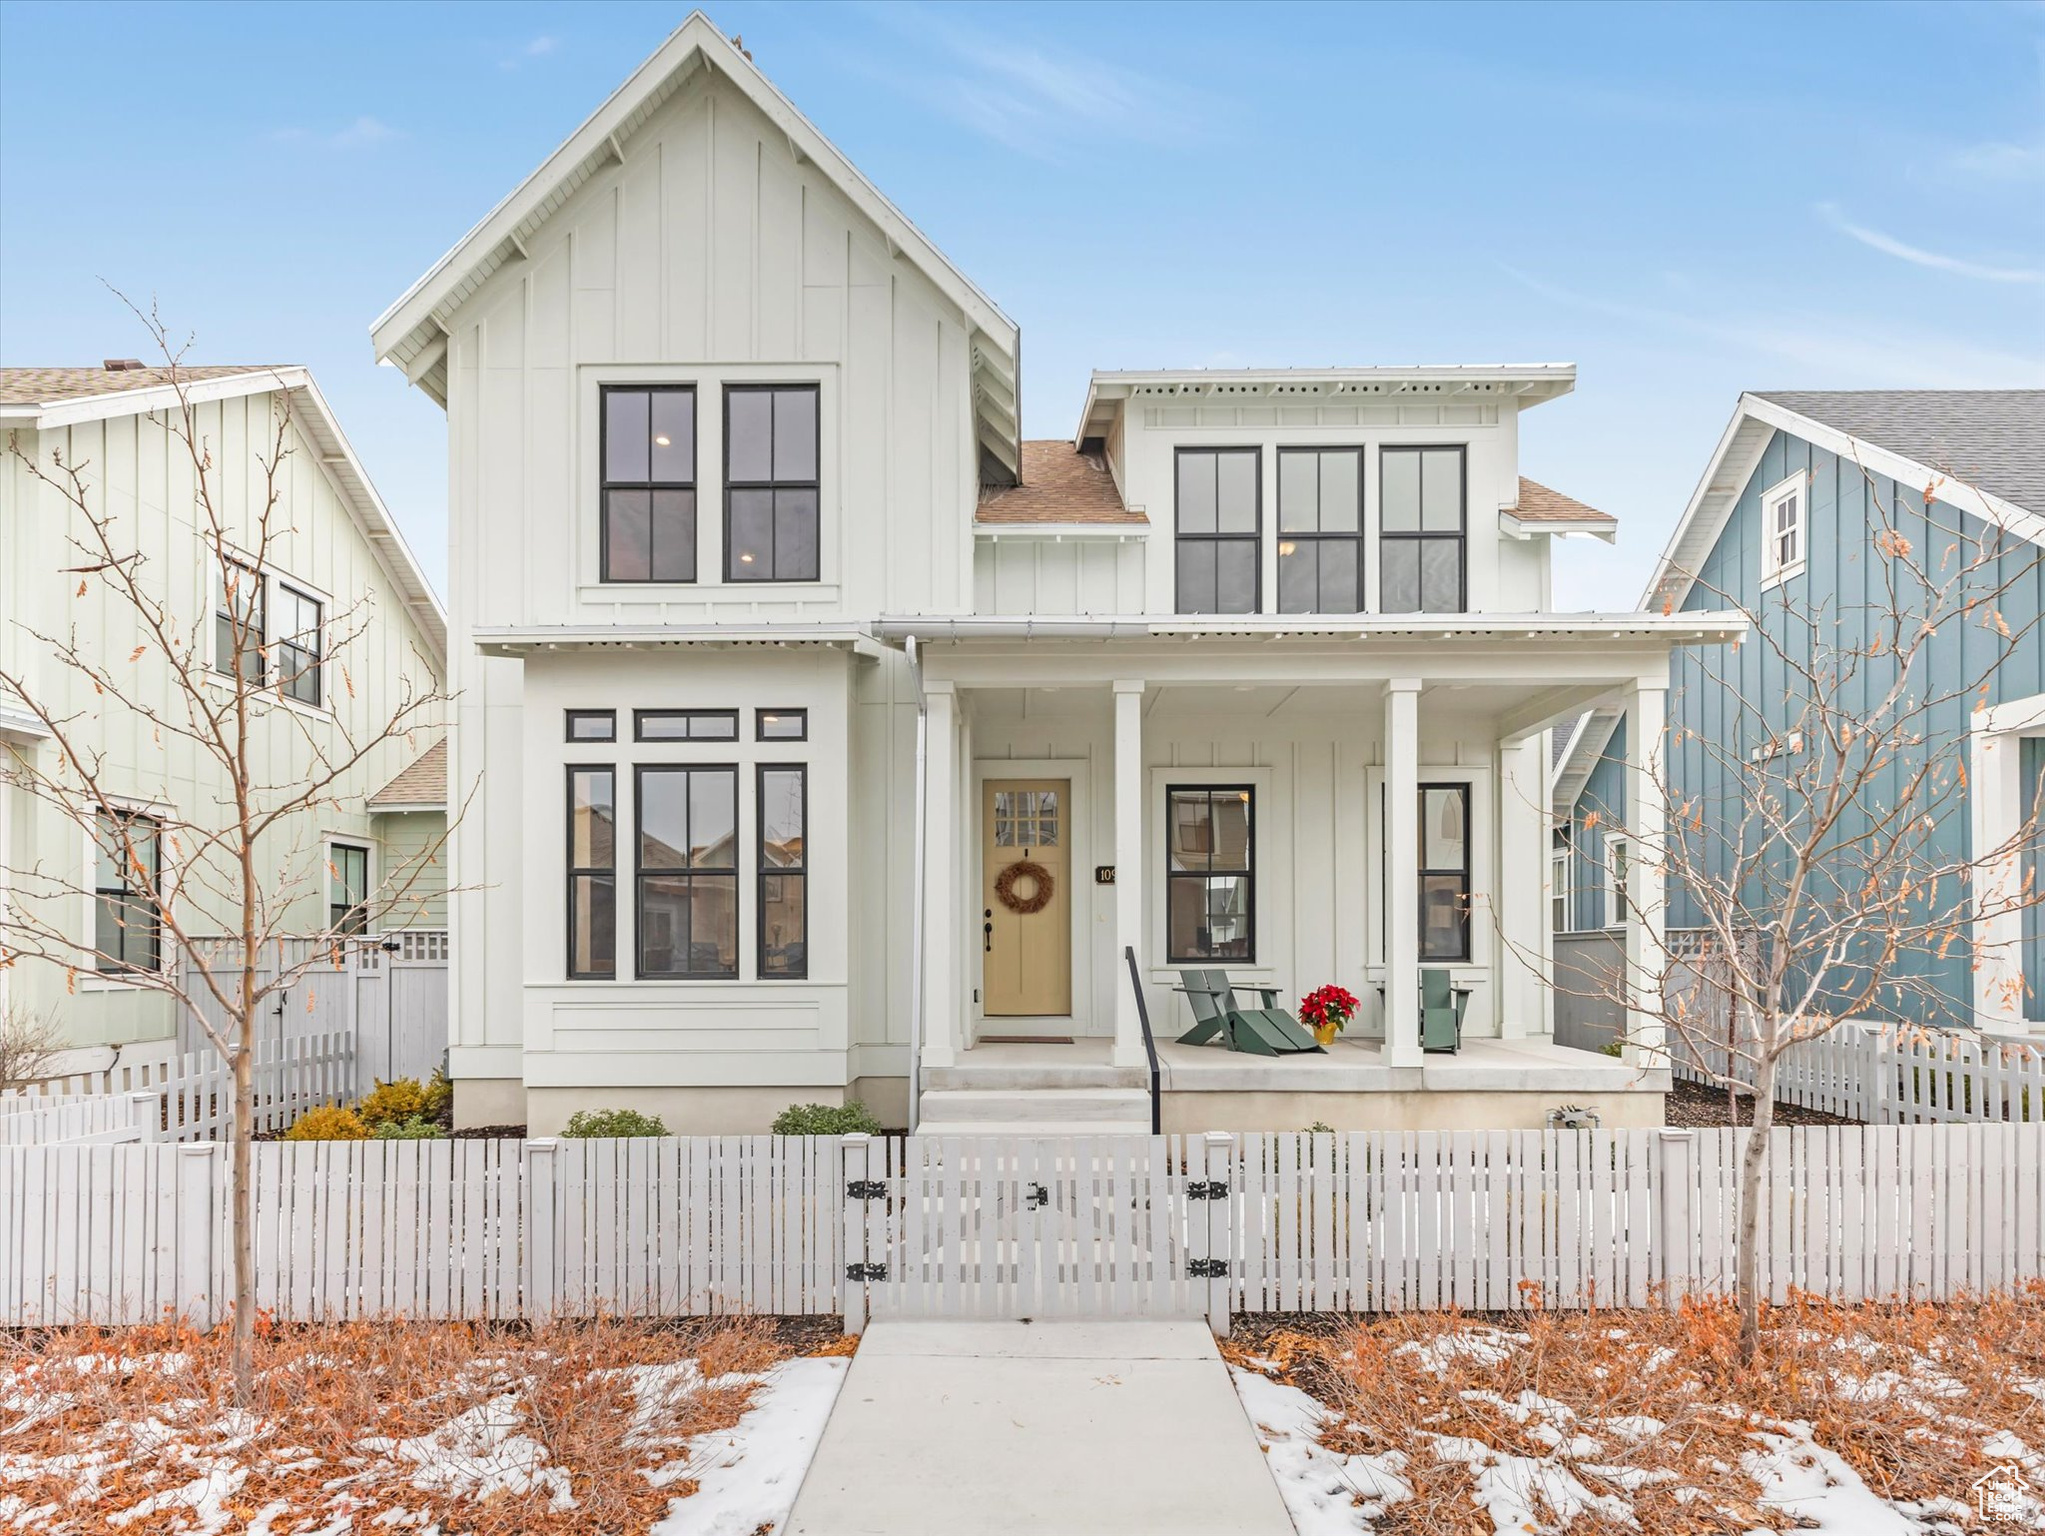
(1026,911)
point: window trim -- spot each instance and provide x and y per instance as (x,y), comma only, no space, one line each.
(158,898)
(639,875)
(1461,536)
(1254,538)
(1798,485)
(605,485)
(1248,872)
(572,716)
(580,871)
(1610,888)
(761,716)
(641,716)
(1359,538)
(1466,870)
(762,873)
(814,390)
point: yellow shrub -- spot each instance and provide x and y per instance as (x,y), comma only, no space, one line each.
(438,1094)
(330,1122)
(389,1103)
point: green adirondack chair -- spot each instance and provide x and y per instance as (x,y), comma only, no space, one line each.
(1266,1031)
(1441,1012)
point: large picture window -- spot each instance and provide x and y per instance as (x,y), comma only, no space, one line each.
(1444,872)
(127,886)
(770,482)
(1320,530)
(1210,874)
(784,871)
(347,888)
(688,871)
(649,487)
(1219,508)
(1422,555)
(592,873)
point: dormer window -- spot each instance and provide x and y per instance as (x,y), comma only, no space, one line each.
(1784,528)
(649,490)
(1423,562)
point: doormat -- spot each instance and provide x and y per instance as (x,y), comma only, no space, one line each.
(1026,1039)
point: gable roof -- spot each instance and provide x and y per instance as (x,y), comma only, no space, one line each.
(39,398)
(420,786)
(413,332)
(1059,485)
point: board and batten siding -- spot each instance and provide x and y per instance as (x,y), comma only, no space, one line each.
(709,255)
(137,470)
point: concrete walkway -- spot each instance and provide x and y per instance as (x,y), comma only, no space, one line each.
(1079,1428)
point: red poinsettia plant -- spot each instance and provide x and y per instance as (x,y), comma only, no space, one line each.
(1329,1006)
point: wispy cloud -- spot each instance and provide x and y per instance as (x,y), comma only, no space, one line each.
(2001,160)
(1918,256)
(525,53)
(359,134)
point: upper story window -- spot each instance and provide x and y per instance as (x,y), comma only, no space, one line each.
(279,637)
(127,885)
(1424,559)
(770,482)
(1320,530)
(649,487)
(298,644)
(1220,516)
(238,621)
(1784,516)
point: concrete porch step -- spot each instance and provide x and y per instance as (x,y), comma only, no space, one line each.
(1075,1109)
(1034,1127)
(1038,1073)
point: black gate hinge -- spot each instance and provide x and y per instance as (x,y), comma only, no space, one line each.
(866,1271)
(1207,1269)
(866,1189)
(1207,1189)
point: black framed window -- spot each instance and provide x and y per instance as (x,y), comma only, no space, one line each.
(238,620)
(347,888)
(688,871)
(127,886)
(592,872)
(784,870)
(1444,871)
(592,725)
(781,725)
(685,725)
(298,617)
(1220,514)
(1422,559)
(770,482)
(1210,874)
(649,486)
(1320,530)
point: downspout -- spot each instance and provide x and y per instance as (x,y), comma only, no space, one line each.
(916,919)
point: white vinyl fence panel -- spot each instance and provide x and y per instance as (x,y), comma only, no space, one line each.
(1108,1226)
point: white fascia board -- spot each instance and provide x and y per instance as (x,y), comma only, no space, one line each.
(1061,533)
(158,397)
(526,639)
(1519,528)
(1677,628)
(1586,747)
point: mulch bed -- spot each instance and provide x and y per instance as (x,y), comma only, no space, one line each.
(1696,1107)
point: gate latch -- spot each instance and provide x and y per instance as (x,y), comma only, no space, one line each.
(1038,1196)
(866,1189)
(1207,1189)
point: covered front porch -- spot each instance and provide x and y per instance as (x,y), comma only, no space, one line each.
(1294,802)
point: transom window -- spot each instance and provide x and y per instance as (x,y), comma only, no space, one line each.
(688,871)
(1320,530)
(592,725)
(1210,874)
(347,888)
(127,887)
(784,871)
(1026,818)
(1444,872)
(649,485)
(781,725)
(1220,506)
(1782,529)
(1422,540)
(770,482)
(685,724)
(592,872)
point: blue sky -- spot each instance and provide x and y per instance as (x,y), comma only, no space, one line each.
(1685,202)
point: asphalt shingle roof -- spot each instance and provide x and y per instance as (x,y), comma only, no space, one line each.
(1992,439)
(1059,485)
(422,783)
(1539,504)
(47,386)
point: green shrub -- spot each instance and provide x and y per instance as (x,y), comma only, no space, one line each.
(1613,1048)
(391,1103)
(825,1120)
(439,1096)
(330,1122)
(414,1129)
(591,1123)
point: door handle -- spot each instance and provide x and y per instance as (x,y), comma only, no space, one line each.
(987,930)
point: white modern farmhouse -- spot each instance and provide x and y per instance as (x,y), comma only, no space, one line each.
(831,740)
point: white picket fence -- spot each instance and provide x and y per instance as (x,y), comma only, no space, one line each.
(1000,1227)
(192,1097)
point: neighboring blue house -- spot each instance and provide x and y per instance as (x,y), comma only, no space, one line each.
(1790,498)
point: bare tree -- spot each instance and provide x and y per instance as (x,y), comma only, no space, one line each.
(247,862)
(1815,848)
(29,1044)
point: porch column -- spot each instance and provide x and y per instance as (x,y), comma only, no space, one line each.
(1520,907)
(1647,820)
(940,876)
(1402,872)
(1128,868)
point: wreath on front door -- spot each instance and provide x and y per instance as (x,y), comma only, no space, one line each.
(1039,896)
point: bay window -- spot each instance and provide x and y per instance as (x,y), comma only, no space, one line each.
(687,871)
(592,872)
(784,870)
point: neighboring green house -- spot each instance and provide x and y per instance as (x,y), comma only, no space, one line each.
(1790,500)
(336,559)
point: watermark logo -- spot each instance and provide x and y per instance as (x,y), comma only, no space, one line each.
(2000,1493)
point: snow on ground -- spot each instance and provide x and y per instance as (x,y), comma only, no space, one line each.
(1326,1494)
(747,1476)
